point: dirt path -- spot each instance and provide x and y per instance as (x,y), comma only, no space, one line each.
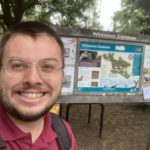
(125,127)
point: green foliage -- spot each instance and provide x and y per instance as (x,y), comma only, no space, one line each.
(70,13)
(127,22)
(133,18)
(140,4)
(12,11)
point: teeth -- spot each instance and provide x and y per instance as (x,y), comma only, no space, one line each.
(32,95)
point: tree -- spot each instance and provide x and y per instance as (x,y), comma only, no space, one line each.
(127,21)
(12,11)
(133,18)
(70,13)
(139,4)
(93,21)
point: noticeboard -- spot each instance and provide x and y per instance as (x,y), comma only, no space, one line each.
(100,65)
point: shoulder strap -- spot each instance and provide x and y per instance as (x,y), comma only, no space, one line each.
(61,131)
(2,145)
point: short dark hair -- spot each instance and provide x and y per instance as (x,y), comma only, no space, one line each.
(32,29)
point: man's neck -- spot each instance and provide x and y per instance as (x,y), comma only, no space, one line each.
(34,128)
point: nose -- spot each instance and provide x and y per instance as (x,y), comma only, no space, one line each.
(32,76)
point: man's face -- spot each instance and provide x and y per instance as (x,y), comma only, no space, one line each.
(29,94)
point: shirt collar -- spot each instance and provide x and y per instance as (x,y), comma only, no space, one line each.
(10,132)
(48,135)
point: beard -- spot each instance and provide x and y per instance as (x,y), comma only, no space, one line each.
(20,115)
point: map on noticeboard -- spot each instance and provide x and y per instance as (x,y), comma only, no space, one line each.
(109,67)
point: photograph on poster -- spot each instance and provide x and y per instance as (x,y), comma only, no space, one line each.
(68,82)
(110,68)
(89,59)
(146,74)
(70,49)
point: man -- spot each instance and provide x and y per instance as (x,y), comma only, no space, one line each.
(31,75)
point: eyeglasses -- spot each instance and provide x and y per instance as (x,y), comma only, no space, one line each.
(17,67)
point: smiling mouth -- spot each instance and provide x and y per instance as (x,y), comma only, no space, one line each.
(32,95)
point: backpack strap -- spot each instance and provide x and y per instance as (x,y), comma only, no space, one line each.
(59,127)
(2,145)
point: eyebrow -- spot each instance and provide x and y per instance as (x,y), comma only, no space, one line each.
(51,59)
(45,59)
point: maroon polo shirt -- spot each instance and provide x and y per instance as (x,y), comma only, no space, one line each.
(15,139)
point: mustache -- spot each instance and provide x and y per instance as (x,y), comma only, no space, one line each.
(28,86)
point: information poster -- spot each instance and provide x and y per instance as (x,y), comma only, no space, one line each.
(147,64)
(70,57)
(146,74)
(68,83)
(109,67)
